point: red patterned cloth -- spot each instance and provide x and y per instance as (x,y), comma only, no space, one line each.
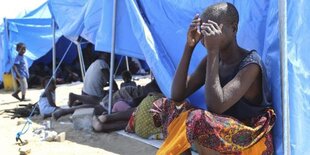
(224,134)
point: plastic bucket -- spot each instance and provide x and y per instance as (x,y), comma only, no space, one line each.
(8,82)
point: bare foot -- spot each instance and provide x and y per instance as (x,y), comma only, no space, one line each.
(25,99)
(16,96)
(76,103)
(58,113)
(96,123)
(70,101)
(102,118)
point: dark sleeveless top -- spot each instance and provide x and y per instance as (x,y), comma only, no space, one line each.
(243,109)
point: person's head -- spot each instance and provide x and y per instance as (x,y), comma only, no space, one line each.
(126,75)
(103,55)
(226,14)
(21,48)
(152,86)
(52,84)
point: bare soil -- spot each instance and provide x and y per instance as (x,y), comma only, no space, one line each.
(76,143)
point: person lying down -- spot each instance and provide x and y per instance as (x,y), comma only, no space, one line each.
(137,120)
(123,99)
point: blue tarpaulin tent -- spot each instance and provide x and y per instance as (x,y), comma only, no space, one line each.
(156,32)
(34,29)
(297,42)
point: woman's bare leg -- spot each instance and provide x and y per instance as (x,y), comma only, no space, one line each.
(112,122)
(187,152)
(108,127)
(117,116)
(85,99)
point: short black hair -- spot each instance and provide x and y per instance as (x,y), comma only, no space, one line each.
(45,80)
(19,46)
(221,12)
(126,75)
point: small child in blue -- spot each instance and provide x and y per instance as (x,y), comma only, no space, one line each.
(47,100)
(20,71)
(127,77)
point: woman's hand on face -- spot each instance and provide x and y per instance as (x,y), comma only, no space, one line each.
(212,35)
(194,34)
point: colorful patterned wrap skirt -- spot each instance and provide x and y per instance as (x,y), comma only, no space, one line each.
(184,126)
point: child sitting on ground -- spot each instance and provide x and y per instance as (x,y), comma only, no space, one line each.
(47,100)
(127,77)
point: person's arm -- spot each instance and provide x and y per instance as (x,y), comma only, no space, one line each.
(134,83)
(182,85)
(219,98)
(122,84)
(50,99)
(136,101)
(16,71)
(106,74)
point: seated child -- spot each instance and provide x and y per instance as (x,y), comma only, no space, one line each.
(47,100)
(126,75)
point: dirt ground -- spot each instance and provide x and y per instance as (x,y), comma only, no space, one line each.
(76,143)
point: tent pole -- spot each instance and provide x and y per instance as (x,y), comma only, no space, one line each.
(54,48)
(112,54)
(81,59)
(127,63)
(119,63)
(284,76)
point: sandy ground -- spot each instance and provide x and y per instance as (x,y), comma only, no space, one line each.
(76,143)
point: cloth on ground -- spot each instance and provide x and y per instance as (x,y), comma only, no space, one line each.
(142,123)
(23,110)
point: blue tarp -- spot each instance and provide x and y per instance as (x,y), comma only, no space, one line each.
(34,29)
(61,47)
(31,9)
(69,16)
(298,44)
(156,32)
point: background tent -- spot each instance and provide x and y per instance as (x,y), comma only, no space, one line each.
(156,31)
(298,43)
(88,18)
(33,9)
(35,29)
